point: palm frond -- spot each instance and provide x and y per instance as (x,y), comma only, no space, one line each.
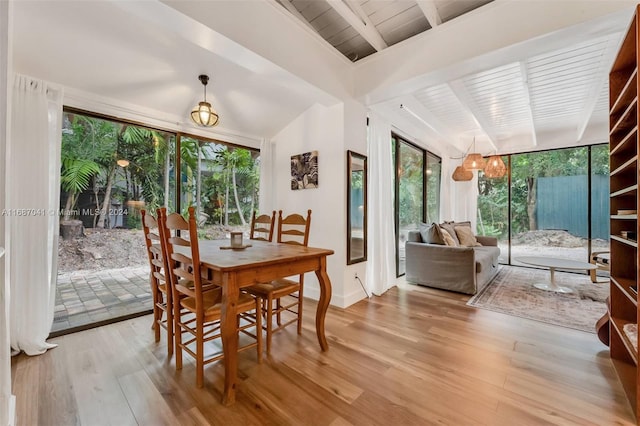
(76,173)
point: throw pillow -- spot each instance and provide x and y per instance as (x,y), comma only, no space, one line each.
(431,233)
(466,237)
(467,223)
(448,239)
(449,227)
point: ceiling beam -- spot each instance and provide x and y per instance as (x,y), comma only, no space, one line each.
(594,91)
(364,27)
(430,12)
(526,91)
(292,9)
(467,102)
(415,108)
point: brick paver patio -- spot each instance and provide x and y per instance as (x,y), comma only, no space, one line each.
(84,297)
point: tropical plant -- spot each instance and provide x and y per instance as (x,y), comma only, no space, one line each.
(75,177)
(86,143)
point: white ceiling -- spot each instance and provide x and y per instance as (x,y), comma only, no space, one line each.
(108,49)
(267,67)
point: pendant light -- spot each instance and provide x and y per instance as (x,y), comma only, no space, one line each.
(203,114)
(495,167)
(460,174)
(474,160)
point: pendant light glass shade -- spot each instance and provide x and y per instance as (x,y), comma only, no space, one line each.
(460,174)
(474,161)
(203,114)
(495,167)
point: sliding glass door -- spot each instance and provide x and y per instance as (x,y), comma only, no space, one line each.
(493,210)
(553,203)
(111,170)
(550,204)
(417,192)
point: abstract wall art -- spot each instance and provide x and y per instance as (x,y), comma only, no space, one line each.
(304,170)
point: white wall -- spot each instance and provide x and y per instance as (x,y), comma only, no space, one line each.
(330,131)
(355,139)
(6,400)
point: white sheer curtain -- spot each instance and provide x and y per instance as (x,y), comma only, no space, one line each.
(33,193)
(266,176)
(381,233)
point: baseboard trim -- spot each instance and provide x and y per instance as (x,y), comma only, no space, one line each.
(340,301)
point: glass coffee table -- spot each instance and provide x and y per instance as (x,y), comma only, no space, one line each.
(554,263)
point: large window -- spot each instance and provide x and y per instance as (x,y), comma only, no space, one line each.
(111,170)
(553,203)
(417,192)
(493,210)
(221,182)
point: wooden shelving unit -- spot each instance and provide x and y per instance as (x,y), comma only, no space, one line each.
(623,157)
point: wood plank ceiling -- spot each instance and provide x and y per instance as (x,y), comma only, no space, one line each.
(359,28)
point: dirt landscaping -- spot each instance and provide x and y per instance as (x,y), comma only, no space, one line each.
(117,248)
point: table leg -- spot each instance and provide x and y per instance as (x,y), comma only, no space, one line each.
(551,285)
(229,331)
(323,303)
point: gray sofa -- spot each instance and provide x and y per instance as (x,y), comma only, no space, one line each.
(461,269)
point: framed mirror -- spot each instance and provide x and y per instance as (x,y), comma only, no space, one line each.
(356,208)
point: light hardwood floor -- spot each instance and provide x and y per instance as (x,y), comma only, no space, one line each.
(414,356)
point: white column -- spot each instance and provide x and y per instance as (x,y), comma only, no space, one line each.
(7,401)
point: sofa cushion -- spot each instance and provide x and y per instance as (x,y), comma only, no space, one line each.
(448,239)
(449,227)
(465,236)
(431,234)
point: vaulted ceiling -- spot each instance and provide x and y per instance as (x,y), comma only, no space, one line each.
(513,75)
(358,28)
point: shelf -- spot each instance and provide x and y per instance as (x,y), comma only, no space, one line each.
(623,284)
(627,92)
(624,216)
(618,324)
(624,143)
(623,183)
(625,241)
(626,118)
(625,191)
(627,165)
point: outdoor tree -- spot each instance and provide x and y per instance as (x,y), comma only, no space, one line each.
(86,143)
(526,170)
(238,172)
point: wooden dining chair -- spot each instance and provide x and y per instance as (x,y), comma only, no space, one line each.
(198,306)
(262,226)
(160,286)
(293,229)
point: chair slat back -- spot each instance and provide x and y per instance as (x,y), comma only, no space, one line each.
(162,260)
(294,229)
(185,267)
(153,243)
(262,227)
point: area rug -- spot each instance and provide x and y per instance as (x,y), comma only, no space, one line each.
(512,292)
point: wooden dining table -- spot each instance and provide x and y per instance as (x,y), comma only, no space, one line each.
(259,263)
